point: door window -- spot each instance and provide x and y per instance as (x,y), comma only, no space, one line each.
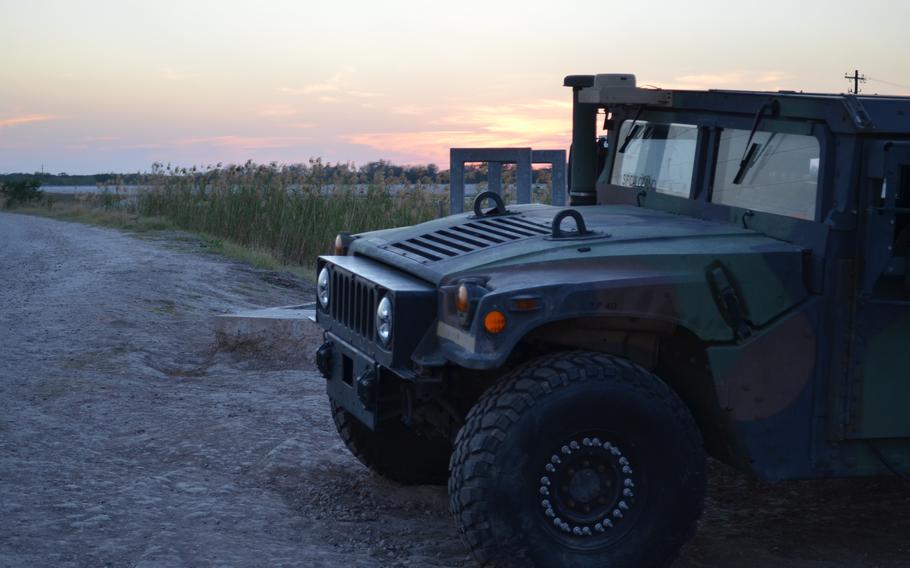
(656,156)
(780,174)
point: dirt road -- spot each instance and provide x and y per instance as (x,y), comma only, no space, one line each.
(128,439)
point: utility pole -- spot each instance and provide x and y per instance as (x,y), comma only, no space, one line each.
(857,79)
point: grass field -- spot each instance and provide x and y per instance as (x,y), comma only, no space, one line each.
(271,215)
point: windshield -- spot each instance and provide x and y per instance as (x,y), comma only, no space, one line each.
(656,156)
(781,175)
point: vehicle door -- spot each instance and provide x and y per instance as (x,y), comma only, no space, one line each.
(879,373)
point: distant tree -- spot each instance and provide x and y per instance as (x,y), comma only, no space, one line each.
(21,191)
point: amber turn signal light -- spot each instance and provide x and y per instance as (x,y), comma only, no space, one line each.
(494,321)
(342,243)
(462,299)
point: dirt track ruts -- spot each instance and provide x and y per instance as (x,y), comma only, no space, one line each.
(128,439)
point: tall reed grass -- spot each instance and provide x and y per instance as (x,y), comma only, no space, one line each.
(288,213)
(293,212)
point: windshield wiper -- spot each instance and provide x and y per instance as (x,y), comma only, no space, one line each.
(633,131)
(751,148)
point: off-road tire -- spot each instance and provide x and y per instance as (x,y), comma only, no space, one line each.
(497,489)
(394,451)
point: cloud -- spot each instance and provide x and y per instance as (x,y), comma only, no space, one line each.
(731,80)
(541,124)
(26,119)
(243,142)
(169,74)
(89,139)
(280,110)
(227,141)
(332,89)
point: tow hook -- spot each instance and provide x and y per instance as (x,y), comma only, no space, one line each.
(324,359)
(366,388)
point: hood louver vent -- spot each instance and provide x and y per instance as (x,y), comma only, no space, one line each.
(468,237)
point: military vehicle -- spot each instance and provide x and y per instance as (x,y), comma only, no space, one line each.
(731,278)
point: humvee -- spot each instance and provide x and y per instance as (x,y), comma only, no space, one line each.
(730,278)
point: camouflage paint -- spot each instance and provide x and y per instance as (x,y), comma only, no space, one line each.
(815,361)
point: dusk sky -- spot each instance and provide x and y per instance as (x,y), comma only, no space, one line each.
(96,86)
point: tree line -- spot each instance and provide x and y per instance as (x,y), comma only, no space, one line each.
(328,172)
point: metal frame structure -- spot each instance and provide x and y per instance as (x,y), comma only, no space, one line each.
(495,158)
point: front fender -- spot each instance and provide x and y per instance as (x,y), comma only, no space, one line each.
(672,290)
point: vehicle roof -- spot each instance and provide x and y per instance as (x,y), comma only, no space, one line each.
(873,114)
(843,112)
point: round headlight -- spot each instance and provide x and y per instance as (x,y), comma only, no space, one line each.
(384,320)
(323,288)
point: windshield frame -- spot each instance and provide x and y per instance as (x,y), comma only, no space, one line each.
(699,204)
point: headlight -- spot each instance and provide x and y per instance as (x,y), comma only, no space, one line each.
(323,288)
(384,320)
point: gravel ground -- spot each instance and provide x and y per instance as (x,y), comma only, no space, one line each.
(128,439)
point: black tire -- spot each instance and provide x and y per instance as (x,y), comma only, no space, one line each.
(555,445)
(395,452)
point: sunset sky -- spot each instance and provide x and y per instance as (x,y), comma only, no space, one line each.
(94,85)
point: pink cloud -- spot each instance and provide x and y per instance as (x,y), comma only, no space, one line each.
(25,119)
(541,124)
(433,145)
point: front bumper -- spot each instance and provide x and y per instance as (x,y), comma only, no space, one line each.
(352,359)
(358,286)
(352,379)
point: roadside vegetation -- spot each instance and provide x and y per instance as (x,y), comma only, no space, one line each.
(20,192)
(272,215)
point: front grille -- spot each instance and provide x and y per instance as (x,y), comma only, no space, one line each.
(353,303)
(469,237)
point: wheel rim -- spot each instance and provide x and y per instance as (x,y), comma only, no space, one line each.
(587,488)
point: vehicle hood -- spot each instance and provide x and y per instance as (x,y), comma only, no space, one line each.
(444,249)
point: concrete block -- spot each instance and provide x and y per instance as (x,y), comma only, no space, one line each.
(285,330)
